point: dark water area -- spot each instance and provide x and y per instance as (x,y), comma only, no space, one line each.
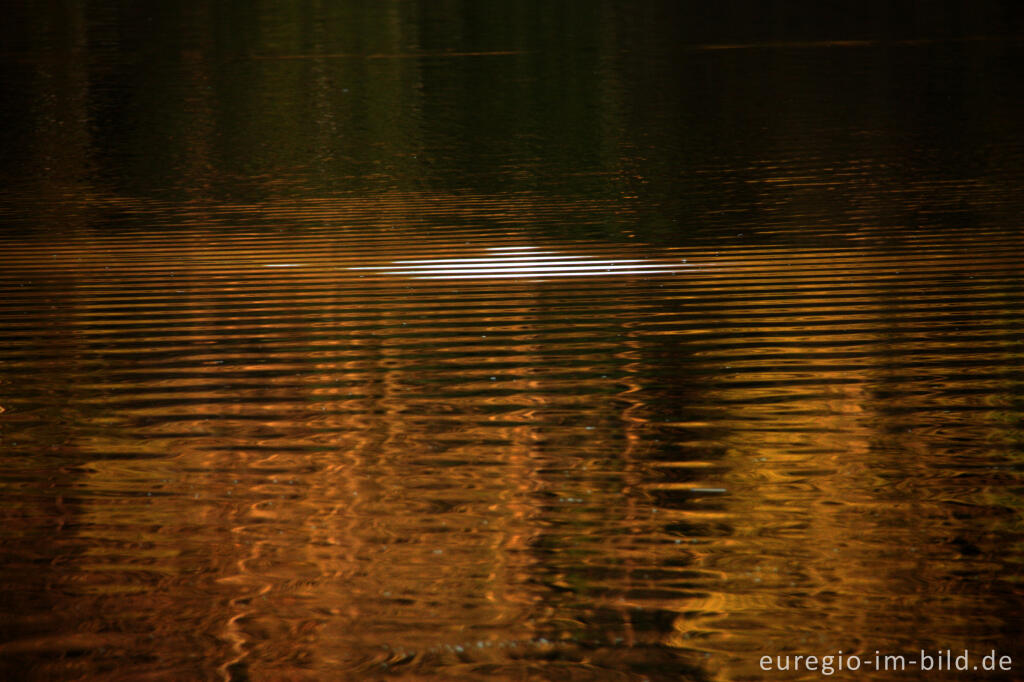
(510,340)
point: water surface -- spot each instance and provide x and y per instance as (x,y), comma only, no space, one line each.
(507,341)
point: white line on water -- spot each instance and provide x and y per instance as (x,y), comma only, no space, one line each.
(521,261)
(594,266)
(483,266)
(541,256)
(542,273)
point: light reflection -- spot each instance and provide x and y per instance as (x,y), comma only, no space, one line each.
(625,469)
(533,263)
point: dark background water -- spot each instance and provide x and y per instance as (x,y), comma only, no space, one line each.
(237,441)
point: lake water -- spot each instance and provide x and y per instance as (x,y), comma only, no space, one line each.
(509,340)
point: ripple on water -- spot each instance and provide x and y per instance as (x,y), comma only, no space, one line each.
(485,451)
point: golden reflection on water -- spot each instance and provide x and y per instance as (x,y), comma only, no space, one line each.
(296,420)
(335,469)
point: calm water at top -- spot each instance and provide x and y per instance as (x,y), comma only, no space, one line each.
(508,340)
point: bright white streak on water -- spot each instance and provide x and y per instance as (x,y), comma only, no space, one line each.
(535,263)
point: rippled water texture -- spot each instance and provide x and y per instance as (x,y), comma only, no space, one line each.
(509,341)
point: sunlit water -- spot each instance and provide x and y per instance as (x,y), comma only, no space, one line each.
(558,380)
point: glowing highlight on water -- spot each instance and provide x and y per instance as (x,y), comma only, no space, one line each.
(524,262)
